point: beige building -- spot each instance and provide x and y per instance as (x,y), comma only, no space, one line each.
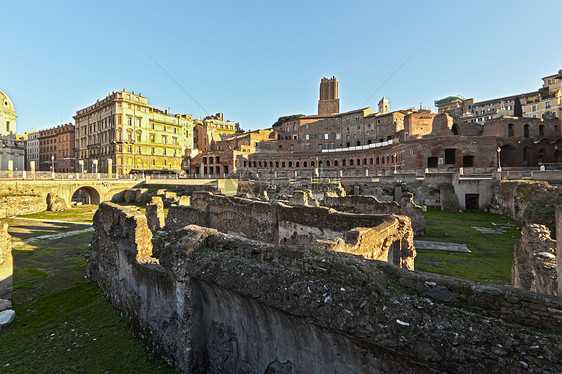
(32,150)
(212,129)
(7,116)
(122,132)
(479,112)
(546,103)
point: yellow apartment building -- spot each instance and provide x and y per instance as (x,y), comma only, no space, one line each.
(122,132)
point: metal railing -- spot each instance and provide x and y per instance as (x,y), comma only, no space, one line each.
(47,175)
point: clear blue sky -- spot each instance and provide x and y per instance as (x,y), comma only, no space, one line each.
(258,60)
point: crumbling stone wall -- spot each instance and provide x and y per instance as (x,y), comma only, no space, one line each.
(55,203)
(6,263)
(211,302)
(303,197)
(180,195)
(383,237)
(155,213)
(534,261)
(511,198)
(17,204)
(371,205)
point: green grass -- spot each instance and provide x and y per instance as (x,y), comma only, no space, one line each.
(492,254)
(82,213)
(63,322)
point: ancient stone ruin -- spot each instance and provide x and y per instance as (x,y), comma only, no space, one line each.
(382,237)
(208,301)
(55,203)
(6,275)
(534,261)
(371,205)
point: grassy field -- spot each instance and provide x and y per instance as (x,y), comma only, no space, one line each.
(82,213)
(63,322)
(492,254)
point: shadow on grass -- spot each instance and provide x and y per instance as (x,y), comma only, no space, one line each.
(63,323)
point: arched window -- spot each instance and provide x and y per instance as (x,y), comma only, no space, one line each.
(335,162)
(377,161)
(541,130)
(297,164)
(526,131)
(364,161)
(510,130)
(305,164)
(290,164)
(283,164)
(351,162)
(371,161)
(328,163)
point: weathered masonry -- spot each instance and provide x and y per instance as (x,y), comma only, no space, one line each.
(376,236)
(213,302)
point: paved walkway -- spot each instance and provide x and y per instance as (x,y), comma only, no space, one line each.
(52,221)
(441,246)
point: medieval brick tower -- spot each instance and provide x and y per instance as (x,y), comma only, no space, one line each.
(329,102)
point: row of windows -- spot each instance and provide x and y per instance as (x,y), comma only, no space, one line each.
(215,170)
(165,152)
(510,130)
(217,159)
(335,163)
(129,161)
(325,122)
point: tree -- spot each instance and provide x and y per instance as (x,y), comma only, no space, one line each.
(287,118)
(517,109)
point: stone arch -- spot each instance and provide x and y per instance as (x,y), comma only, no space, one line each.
(508,156)
(527,156)
(541,155)
(86,194)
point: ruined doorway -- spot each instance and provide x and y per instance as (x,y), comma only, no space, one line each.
(471,202)
(432,162)
(509,156)
(450,157)
(468,161)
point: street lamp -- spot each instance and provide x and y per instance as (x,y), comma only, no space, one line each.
(498,150)
(395,163)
